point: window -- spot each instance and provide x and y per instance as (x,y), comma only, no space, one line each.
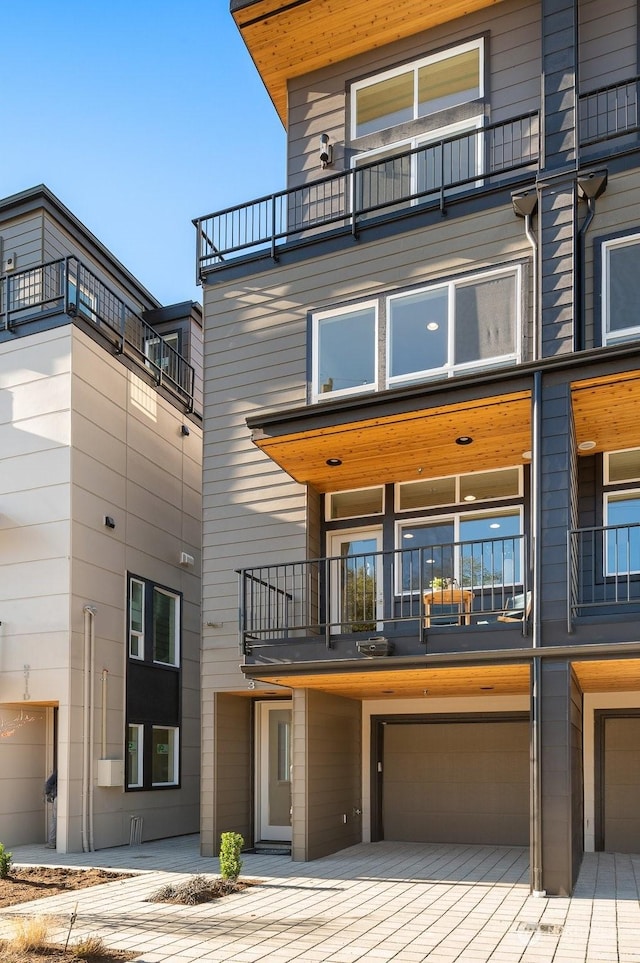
(156,351)
(135,744)
(622,518)
(447,79)
(479,550)
(136,619)
(154,623)
(620,289)
(164,766)
(166,627)
(345,350)
(355,504)
(436,331)
(477,486)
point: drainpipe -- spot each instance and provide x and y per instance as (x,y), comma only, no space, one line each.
(87,727)
(525,205)
(590,187)
(536,669)
(105,681)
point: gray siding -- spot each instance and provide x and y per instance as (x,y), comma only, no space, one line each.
(608,42)
(226,802)
(23,237)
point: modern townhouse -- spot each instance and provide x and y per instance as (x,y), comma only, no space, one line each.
(422,451)
(100,515)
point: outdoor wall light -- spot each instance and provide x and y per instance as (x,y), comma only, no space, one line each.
(184,430)
(109,521)
(464,440)
(326,152)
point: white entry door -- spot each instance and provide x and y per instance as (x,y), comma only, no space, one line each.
(273,771)
(356,581)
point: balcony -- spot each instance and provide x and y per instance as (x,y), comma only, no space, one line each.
(66,285)
(406,593)
(430,176)
(609,114)
(604,567)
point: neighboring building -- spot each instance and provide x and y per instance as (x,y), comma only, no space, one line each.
(422,448)
(100,515)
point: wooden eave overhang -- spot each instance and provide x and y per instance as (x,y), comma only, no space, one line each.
(288,38)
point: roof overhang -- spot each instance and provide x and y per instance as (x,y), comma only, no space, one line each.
(401,445)
(288,38)
(605,411)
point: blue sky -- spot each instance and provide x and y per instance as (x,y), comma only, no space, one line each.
(139,115)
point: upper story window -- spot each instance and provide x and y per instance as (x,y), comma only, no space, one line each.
(406,93)
(154,623)
(436,331)
(620,289)
(622,512)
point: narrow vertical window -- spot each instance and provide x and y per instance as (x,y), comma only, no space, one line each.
(136,619)
(166,615)
(134,756)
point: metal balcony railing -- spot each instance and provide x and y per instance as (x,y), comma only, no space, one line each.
(609,112)
(604,570)
(465,583)
(68,286)
(431,175)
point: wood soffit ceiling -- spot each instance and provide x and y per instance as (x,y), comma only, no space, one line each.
(406,446)
(288,38)
(614,675)
(605,411)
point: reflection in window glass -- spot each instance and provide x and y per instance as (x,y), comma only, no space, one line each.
(623,541)
(490,484)
(418,332)
(449,81)
(427,556)
(426,494)
(136,619)
(346,351)
(486,315)
(164,765)
(134,756)
(490,551)
(384,104)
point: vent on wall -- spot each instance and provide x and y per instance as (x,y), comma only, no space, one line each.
(9,263)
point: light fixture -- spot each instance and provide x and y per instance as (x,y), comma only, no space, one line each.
(433,326)
(333,462)
(464,440)
(184,430)
(469,498)
(326,152)
(109,522)
(186,560)
(527,455)
(586,445)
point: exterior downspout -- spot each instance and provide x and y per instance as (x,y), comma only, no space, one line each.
(87,726)
(590,187)
(536,669)
(103,743)
(525,205)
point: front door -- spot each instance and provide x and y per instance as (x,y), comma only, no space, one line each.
(273,771)
(356,581)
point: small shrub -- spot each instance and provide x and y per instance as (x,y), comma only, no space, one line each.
(230,862)
(30,934)
(5,862)
(89,946)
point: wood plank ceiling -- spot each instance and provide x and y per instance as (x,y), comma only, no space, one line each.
(605,411)
(287,39)
(406,446)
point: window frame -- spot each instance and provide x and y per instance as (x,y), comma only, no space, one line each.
(140,635)
(624,334)
(617,493)
(317,317)
(177,626)
(459,500)
(450,369)
(456,518)
(414,66)
(139,727)
(328,502)
(174,750)
(148,631)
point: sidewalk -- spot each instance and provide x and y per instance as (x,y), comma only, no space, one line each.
(380,902)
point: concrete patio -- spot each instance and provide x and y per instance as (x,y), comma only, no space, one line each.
(404,902)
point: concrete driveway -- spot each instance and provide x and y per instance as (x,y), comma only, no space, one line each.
(379,902)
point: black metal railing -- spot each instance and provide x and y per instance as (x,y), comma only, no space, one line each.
(609,112)
(608,570)
(68,286)
(463,583)
(432,175)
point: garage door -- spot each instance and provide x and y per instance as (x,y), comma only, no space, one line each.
(621,785)
(457,782)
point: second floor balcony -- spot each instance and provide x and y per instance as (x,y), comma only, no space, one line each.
(69,286)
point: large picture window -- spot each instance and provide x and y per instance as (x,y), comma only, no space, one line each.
(436,331)
(620,289)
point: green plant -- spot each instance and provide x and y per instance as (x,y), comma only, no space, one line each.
(5,862)
(230,863)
